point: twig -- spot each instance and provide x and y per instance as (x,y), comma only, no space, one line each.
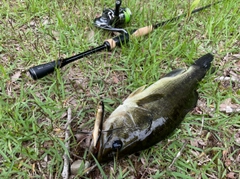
(201,126)
(65,172)
(40,169)
(178,155)
(89,169)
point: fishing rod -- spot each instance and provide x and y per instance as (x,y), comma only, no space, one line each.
(109,20)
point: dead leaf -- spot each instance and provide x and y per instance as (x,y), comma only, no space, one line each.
(57,130)
(195,153)
(46,21)
(194,142)
(83,139)
(237,137)
(228,107)
(237,56)
(228,79)
(228,162)
(197,110)
(232,175)
(115,79)
(143,162)
(90,36)
(55,34)
(16,76)
(238,63)
(225,154)
(238,158)
(197,142)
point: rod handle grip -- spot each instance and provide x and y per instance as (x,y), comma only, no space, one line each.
(142,31)
(117,41)
(42,70)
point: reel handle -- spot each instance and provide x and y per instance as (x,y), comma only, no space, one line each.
(117,8)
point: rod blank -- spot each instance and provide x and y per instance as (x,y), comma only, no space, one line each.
(40,71)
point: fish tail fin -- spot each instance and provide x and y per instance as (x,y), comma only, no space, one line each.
(204,62)
(200,67)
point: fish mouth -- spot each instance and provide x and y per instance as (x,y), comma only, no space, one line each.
(94,151)
(100,148)
(101,152)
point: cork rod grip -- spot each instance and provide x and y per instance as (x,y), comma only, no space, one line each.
(112,43)
(143,31)
(124,38)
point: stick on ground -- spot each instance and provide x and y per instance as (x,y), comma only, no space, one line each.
(65,172)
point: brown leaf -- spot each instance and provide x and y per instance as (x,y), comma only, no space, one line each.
(238,64)
(194,143)
(201,142)
(197,110)
(197,142)
(16,76)
(90,36)
(237,56)
(228,162)
(238,158)
(115,79)
(237,137)
(225,154)
(83,139)
(232,175)
(228,107)
(32,23)
(55,34)
(195,153)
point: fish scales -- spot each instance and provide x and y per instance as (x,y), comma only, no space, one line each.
(149,115)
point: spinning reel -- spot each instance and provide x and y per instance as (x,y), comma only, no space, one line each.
(113,19)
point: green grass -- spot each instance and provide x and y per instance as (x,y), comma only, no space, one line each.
(33,113)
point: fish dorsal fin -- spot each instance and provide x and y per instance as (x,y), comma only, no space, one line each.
(174,73)
(149,98)
(137,91)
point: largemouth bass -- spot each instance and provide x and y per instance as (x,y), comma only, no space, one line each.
(149,115)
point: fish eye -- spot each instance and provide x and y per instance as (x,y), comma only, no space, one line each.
(117,145)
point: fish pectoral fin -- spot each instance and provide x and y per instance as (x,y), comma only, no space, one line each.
(150,98)
(174,73)
(139,90)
